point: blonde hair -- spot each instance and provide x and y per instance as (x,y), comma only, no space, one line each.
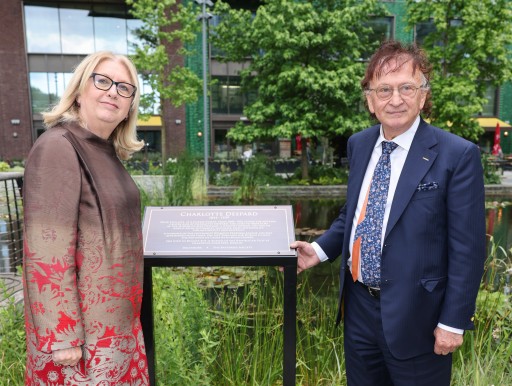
(124,136)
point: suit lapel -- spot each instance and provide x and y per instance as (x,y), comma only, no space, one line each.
(420,159)
(361,150)
(361,153)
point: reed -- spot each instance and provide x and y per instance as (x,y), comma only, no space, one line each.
(233,336)
(485,357)
(181,321)
(256,173)
(12,344)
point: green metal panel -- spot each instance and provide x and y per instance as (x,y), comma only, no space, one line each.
(194,111)
(506,102)
(399,10)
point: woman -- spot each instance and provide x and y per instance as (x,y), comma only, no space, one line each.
(83,261)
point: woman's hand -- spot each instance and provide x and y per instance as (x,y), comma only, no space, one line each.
(68,356)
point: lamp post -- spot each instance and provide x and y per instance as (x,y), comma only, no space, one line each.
(204,17)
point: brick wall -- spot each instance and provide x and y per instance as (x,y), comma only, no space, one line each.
(15,139)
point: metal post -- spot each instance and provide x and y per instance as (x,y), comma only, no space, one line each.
(290,324)
(148,323)
(204,19)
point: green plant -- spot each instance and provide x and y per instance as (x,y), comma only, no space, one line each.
(491,174)
(183,330)
(4,166)
(233,336)
(12,343)
(321,175)
(185,187)
(485,356)
(250,322)
(256,172)
(226,177)
(187,182)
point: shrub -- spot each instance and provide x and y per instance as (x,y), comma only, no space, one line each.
(491,174)
(183,329)
(4,166)
(12,344)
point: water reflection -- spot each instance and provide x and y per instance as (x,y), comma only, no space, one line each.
(317,215)
(499,215)
(313,216)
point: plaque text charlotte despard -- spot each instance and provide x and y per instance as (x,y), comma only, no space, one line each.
(219,230)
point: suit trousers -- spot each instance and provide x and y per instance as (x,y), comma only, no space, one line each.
(368,359)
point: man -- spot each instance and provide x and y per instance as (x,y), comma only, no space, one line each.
(411,234)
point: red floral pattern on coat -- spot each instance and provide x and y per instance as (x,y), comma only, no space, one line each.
(83,263)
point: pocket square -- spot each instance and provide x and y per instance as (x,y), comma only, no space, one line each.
(427,186)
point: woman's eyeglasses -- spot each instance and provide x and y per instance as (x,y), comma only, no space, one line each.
(104,83)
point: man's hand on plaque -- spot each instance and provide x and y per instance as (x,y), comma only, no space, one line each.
(306,255)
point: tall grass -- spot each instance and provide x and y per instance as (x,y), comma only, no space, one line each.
(12,344)
(491,173)
(187,187)
(181,321)
(243,338)
(239,335)
(233,336)
(255,173)
(485,358)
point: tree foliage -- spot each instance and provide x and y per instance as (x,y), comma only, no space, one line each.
(469,50)
(305,65)
(166,25)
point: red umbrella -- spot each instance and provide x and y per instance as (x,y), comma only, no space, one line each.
(496,149)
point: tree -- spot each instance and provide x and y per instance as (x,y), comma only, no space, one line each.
(306,61)
(469,50)
(168,25)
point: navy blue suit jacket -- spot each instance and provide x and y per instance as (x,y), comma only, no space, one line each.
(434,246)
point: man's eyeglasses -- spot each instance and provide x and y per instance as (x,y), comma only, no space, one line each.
(104,83)
(406,90)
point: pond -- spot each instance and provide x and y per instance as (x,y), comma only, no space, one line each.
(313,216)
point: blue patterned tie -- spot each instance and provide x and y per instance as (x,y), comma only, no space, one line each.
(370,228)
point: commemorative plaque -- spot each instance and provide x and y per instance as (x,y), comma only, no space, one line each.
(219,231)
(221,235)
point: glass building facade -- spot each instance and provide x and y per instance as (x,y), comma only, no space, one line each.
(72,30)
(58,34)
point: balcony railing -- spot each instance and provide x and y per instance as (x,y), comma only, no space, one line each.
(11,221)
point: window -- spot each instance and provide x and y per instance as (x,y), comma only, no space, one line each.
(236,98)
(220,98)
(489,108)
(227,96)
(146,89)
(381,30)
(425,29)
(77,31)
(45,19)
(133,41)
(79,28)
(110,30)
(74,29)
(152,140)
(46,88)
(422,30)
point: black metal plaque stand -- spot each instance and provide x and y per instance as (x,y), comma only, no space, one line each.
(290,300)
